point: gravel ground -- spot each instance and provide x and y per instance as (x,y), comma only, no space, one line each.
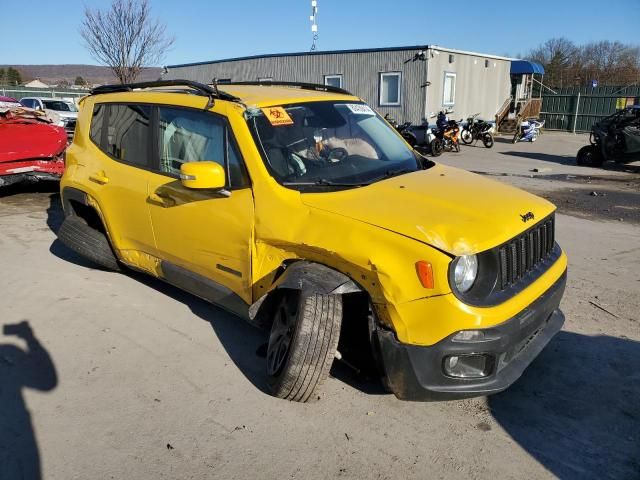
(126,377)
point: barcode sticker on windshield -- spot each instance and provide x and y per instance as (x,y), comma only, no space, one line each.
(360,109)
(277,116)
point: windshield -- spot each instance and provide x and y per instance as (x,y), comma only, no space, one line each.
(59,106)
(329,144)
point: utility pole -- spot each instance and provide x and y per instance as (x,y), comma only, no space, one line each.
(314,23)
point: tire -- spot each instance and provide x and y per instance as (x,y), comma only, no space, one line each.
(516,137)
(534,136)
(88,242)
(302,344)
(487,140)
(410,138)
(589,156)
(456,147)
(466,136)
(436,147)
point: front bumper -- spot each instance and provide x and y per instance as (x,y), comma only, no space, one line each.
(416,372)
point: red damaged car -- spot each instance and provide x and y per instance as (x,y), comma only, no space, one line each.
(31,148)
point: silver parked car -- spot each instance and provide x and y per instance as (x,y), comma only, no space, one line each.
(66,111)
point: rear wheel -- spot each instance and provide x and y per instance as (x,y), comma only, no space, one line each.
(466,136)
(589,156)
(410,138)
(487,140)
(302,344)
(93,244)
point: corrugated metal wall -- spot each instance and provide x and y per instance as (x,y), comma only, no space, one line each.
(564,111)
(360,73)
(479,89)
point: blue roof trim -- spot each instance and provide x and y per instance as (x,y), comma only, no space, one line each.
(522,67)
(300,54)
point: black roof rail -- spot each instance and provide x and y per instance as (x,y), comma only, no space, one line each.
(201,88)
(304,86)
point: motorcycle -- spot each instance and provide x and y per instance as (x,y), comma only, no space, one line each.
(616,137)
(418,136)
(528,130)
(447,131)
(477,130)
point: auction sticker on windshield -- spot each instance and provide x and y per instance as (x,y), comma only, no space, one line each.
(360,109)
(277,116)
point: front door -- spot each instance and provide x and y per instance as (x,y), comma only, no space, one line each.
(205,232)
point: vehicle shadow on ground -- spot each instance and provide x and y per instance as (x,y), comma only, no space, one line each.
(545,157)
(38,187)
(30,367)
(245,344)
(576,409)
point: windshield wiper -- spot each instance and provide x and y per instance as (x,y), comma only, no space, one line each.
(392,173)
(323,182)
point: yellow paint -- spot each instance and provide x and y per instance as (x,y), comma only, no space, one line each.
(374,234)
(200,175)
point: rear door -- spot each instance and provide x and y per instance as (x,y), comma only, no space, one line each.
(118,172)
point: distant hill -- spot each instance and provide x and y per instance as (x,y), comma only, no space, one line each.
(92,74)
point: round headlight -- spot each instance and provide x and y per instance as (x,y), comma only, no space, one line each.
(465,272)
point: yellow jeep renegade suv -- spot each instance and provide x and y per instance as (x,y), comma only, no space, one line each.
(298,208)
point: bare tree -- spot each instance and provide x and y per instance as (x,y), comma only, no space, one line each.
(125,37)
(609,63)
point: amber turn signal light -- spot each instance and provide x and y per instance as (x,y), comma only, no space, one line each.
(425,273)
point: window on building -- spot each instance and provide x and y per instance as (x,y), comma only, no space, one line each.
(486,64)
(195,136)
(449,91)
(127,135)
(452,58)
(333,80)
(390,88)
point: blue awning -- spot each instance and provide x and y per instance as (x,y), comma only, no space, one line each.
(522,67)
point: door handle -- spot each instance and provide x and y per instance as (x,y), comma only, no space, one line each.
(100,178)
(162,198)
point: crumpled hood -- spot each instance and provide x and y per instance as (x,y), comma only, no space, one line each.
(451,209)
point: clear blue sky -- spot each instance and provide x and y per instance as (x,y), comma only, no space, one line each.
(213,29)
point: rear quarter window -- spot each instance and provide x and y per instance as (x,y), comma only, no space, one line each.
(123,132)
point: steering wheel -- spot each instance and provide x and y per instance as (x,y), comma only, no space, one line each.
(336,155)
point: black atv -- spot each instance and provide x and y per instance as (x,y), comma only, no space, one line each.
(616,137)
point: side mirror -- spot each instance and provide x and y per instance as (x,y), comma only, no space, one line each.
(203,175)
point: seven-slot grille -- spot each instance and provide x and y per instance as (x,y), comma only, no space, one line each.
(525,252)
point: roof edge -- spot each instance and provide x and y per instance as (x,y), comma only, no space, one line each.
(299,54)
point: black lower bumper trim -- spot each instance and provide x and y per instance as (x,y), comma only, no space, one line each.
(416,372)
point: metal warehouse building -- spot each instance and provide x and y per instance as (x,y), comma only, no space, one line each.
(408,83)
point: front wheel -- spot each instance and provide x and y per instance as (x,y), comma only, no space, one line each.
(466,137)
(302,344)
(589,156)
(487,140)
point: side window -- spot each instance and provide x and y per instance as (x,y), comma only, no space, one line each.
(194,136)
(127,135)
(27,103)
(390,84)
(449,90)
(97,124)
